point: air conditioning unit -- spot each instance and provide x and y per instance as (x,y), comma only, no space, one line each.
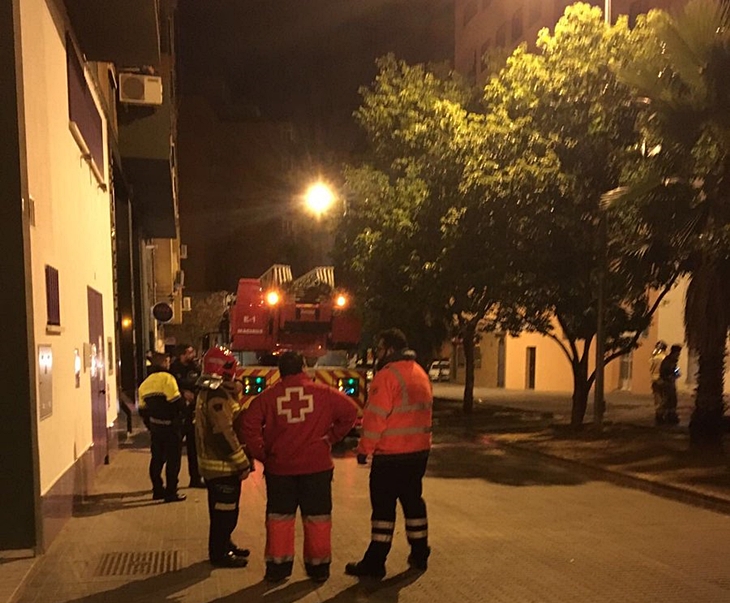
(187,304)
(140,89)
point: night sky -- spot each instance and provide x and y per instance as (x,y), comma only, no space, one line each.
(299,62)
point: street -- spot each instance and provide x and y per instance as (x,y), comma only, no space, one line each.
(504,528)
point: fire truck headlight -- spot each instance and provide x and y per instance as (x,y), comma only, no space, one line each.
(341,301)
(272,298)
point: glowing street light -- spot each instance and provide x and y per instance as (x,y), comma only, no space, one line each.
(319,198)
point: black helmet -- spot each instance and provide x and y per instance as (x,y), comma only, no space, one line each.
(660,346)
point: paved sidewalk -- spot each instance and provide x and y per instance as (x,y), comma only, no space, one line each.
(628,449)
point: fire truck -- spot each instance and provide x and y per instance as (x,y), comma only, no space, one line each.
(275,313)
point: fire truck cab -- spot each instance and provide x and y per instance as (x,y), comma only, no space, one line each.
(275,313)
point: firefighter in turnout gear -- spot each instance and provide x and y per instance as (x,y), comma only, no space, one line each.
(221,460)
(290,428)
(161,408)
(396,427)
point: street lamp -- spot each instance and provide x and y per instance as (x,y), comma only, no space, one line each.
(319,198)
(599,403)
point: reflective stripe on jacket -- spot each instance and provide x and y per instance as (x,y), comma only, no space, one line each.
(397,417)
(220,453)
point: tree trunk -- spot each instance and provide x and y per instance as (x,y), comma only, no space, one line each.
(581,387)
(468,343)
(706,425)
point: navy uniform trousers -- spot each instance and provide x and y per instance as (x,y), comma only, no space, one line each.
(393,478)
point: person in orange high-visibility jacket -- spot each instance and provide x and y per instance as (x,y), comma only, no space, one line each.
(290,428)
(396,431)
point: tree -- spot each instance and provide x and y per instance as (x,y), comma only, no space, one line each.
(573,126)
(681,189)
(388,241)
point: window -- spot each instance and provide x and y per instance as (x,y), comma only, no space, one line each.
(470,11)
(53,305)
(84,118)
(517,25)
(500,39)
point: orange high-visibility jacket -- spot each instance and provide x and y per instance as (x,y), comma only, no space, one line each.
(397,417)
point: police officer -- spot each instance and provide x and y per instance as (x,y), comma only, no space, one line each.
(186,372)
(396,427)
(161,408)
(221,459)
(291,428)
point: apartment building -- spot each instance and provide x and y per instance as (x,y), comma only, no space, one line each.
(90,239)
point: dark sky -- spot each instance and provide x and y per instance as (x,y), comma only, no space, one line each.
(304,60)
(299,62)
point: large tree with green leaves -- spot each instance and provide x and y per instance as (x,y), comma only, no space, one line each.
(391,237)
(573,122)
(682,189)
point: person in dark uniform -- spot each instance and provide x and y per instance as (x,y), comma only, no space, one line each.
(186,373)
(161,408)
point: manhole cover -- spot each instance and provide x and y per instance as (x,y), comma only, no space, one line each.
(139,563)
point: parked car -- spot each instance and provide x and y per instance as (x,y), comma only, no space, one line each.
(440,370)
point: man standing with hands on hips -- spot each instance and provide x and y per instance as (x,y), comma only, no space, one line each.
(397,433)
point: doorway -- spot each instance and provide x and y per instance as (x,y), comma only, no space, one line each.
(531,361)
(97,373)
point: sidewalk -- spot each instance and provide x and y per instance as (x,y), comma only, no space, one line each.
(628,449)
(121,546)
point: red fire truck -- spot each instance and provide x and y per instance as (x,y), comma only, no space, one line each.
(275,313)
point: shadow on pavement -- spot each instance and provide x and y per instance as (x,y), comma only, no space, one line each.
(96,504)
(292,591)
(155,589)
(494,465)
(384,591)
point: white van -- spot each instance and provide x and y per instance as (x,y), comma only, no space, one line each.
(440,370)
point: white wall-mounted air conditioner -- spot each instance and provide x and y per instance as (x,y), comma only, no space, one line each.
(187,304)
(140,89)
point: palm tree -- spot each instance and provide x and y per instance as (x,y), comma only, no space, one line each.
(683,79)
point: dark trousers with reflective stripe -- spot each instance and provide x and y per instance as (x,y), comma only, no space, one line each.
(223,504)
(312,493)
(166,448)
(397,477)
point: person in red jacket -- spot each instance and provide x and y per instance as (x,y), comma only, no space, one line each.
(290,428)
(396,427)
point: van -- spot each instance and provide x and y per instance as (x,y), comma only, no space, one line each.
(440,370)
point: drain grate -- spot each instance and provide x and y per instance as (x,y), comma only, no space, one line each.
(138,563)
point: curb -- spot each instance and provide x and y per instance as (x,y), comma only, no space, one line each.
(676,493)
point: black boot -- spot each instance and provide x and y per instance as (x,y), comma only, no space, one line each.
(418,560)
(362,569)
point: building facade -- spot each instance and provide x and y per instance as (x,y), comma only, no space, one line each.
(90,239)
(532,361)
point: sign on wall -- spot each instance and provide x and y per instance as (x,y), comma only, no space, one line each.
(45,381)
